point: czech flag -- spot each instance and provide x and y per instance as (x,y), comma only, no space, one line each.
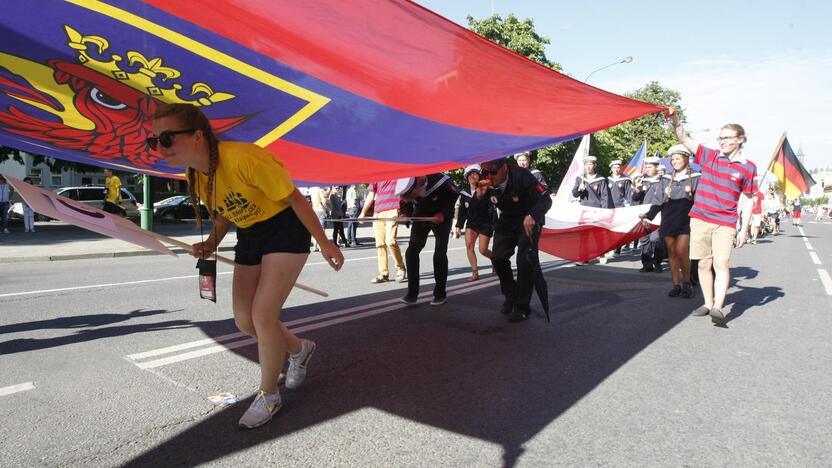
(340,90)
(794,179)
(636,164)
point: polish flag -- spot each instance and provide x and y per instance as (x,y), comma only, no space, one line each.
(581,233)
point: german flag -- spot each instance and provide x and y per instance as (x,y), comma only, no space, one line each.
(791,175)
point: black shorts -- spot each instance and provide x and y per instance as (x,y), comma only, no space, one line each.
(282,233)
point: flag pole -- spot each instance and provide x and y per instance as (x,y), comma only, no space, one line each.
(226,260)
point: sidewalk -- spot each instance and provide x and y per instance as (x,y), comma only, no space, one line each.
(55,240)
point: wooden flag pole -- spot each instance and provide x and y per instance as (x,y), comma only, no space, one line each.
(227,260)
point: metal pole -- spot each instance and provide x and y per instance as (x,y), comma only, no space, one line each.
(147,205)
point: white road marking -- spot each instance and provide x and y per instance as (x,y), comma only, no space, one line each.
(809,246)
(815,258)
(801,231)
(17,388)
(127,283)
(297,326)
(826,280)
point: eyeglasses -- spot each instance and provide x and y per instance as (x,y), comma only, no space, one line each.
(730,138)
(166,138)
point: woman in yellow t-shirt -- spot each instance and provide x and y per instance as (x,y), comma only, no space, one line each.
(245,185)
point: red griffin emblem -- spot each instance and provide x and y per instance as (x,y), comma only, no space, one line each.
(105,115)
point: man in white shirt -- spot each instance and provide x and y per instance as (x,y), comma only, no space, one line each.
(5,202)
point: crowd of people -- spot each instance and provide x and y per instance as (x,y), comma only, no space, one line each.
(500,210)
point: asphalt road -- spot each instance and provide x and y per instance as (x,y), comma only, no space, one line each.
(111,362)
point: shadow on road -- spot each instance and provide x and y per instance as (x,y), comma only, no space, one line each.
(460,367)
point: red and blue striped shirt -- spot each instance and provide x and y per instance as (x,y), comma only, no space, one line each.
(386,198)
(720,186)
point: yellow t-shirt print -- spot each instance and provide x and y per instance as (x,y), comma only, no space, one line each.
(251,184)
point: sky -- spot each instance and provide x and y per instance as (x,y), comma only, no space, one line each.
(766,65)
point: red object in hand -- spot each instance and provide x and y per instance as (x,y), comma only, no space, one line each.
(438,218)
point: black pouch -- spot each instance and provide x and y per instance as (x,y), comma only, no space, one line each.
(207,279)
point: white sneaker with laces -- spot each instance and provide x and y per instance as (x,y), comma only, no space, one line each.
(296,372)
(261,410)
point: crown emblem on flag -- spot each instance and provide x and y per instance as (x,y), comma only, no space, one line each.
(151,77)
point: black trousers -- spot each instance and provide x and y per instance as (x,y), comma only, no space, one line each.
(517,293)
(419,232)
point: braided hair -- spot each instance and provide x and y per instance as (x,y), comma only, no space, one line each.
(191,117)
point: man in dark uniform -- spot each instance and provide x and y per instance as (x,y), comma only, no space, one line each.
(648,191)
(591,189)
(619,185)
(522,202)
(620,188)
(434,196)
(524,160)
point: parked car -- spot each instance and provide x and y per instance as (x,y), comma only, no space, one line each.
(94,196)
(176,208)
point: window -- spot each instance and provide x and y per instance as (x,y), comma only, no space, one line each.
(57,180)
(72,194)
(86,180)
(91,194)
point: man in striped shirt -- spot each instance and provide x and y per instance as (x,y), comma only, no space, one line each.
(727,179)
(382,198)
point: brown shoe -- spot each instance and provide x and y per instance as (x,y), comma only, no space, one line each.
(379,279)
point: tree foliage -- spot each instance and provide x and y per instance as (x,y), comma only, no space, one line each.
(514,34)
(621,141)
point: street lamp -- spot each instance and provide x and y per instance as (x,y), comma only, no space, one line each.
(626,59)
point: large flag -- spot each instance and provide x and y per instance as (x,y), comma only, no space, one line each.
(86,216)
(341,90)
(582,233)
(636,164)
(791,175)
(576,168)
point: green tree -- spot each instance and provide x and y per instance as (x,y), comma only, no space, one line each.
(621,141)
(514,34)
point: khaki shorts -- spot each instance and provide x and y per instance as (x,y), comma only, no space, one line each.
(709,240)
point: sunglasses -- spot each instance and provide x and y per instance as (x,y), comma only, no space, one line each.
(165,138)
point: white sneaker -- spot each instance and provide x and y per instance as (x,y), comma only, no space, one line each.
(6,231)
(261,410)
(602,261)
(296,372)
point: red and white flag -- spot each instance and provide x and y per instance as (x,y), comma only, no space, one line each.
(85,216)
(581,233)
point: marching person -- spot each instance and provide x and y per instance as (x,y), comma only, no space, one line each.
(524,160)
(619,184)
(773,207)
(593,190)
(727,180)
(522,202)
(246,185)
(796,211)
(678,191)
(112,194)
(620,188)
(434,196)
(28,212)
(353,208)
(649,190)
(475,218)
(385,204)
(757,214)
(5,201)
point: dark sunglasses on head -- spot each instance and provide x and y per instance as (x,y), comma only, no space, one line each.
(165,138)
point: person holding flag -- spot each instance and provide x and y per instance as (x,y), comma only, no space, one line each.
(433,196)
(523,203)
(678,191)
(112,194)
(475,218)
(727,180)
(649,190)
(246,185)
(592,189)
